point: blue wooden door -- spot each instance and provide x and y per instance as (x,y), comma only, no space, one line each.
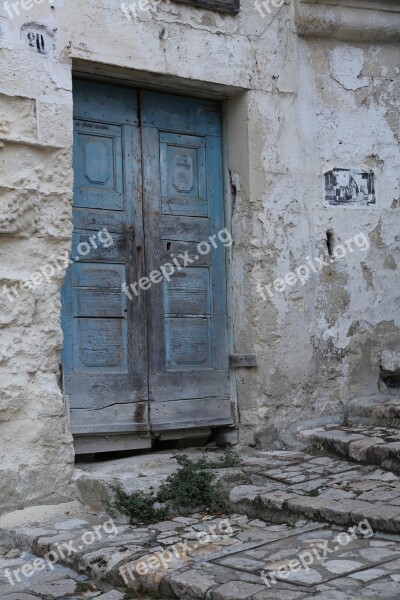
(148,189)
(105,342)
(187,316)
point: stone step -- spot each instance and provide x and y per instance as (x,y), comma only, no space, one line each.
(368,445)
(282,506)
(380,410)
(95,482)
(284,486)
(27,577)
(323,488)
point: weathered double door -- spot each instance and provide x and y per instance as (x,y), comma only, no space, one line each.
(145,349)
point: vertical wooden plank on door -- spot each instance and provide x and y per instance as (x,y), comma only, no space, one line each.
(104,354)
(187,318)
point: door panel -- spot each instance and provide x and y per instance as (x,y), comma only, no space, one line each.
(183,206)
(98,166)
(183,175)
(104,354)
(187,313)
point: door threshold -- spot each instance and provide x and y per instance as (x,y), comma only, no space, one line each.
(91,444)
(104,443)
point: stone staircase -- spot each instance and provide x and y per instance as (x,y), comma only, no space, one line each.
(292,497)
(381,410)
(173,559)
(323,489)
(348,473)
(326,484)
(370,435)
(367,445)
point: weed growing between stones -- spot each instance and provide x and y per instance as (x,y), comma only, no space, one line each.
(82,587)
(345,422)
(191,487)
(229,459)
(138,506)
(316,449)
(141,594)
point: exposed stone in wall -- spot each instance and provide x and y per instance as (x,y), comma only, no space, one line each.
(18,118)
(35,224)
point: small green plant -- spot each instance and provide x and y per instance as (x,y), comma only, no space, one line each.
(229,459)
(346,422)
(138,506)
(192,485)
(316,449)
(140,593)
(82,587)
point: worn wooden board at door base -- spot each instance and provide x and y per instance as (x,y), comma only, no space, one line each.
(154,357)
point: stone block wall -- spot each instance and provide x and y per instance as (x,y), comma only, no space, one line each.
(36,453)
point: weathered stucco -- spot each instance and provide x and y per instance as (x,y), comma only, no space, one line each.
(298,106)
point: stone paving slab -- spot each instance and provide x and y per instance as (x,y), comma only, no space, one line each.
(349,570)
(48,583)
(331,553)
(368,445)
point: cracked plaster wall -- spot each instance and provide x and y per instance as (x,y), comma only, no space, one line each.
(310,104)
(323,343)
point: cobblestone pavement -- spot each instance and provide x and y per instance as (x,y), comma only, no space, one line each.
(49,583)
(229,557)
(241,559)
